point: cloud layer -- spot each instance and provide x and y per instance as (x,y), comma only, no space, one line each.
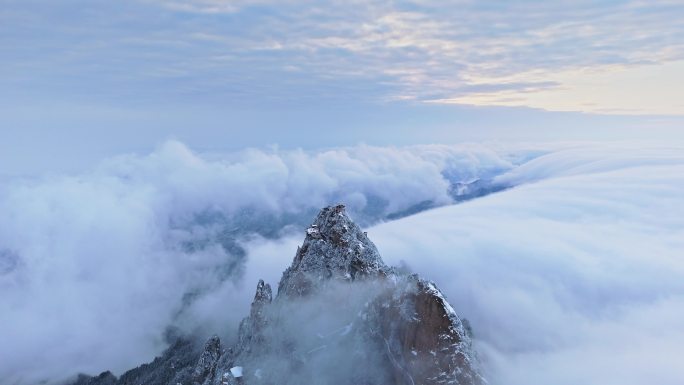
(95,267)
(263,52)
(577,277)
(572,274)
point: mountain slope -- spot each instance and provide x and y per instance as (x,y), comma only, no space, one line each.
(341,316)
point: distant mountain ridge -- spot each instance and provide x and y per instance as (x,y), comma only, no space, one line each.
(340,316)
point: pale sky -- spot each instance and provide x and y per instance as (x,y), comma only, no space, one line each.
(84,79)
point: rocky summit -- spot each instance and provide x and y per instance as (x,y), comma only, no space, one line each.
(340,317)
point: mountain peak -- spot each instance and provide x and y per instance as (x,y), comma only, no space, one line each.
(329,222)
(378,327)
(334,248)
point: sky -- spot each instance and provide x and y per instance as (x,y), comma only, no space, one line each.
(126,76)
(155,148)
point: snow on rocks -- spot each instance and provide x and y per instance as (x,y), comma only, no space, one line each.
(236,371)
(403,325)
(335,247)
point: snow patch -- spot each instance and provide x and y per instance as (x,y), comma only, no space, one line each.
(313,231)
(236,371)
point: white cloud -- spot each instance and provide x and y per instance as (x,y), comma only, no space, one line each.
(571,56)
(210,6)
(575,278)
(570,276)
(94,267)
(626,90)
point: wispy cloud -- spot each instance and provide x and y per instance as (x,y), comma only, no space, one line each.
(606,89)
(427,51)
(371,50)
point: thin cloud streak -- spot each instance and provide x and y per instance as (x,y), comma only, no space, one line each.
(266,52)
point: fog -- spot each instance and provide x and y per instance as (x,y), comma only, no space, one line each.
(322,339)
(571,274)
(577,278)
(95,267)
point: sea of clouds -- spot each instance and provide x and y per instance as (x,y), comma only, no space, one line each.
(577,278)
(574,276)
(95,267)
(571,273)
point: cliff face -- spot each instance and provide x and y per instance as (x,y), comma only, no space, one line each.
(341,316)
(335,249)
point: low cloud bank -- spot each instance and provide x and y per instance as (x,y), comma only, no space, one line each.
(577,277)
(94,268)
(572,275)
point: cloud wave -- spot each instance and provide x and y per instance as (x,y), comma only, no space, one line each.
(95,267)
(575,276)
(572,274)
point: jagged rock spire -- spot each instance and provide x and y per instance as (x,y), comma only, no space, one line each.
(205,369)
(252,326)
(390,328)
(262,298)
(334,248)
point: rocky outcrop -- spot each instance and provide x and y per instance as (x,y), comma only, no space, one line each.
(389,329)
(426,341)
(174,366)
(341,316)
(104,378)
(205,370)
(334,248)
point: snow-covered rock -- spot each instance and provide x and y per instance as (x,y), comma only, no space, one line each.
(236,371)
(341,316)
(338,249)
